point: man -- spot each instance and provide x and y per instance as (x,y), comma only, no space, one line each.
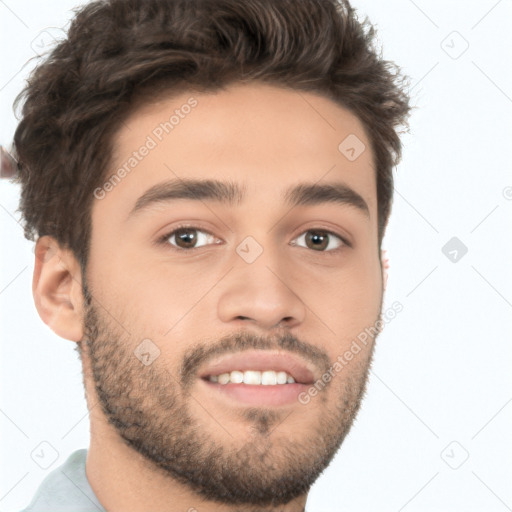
(208,184)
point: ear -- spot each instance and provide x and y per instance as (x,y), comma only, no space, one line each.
(57,289)
(384,262)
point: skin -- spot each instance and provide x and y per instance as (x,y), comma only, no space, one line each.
(266,139)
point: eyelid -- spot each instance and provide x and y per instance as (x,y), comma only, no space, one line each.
(163,240)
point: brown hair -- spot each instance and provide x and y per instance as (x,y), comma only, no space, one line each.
(118,51)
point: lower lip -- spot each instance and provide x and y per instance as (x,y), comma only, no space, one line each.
(279,394)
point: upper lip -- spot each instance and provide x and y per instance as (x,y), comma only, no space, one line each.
(261,360)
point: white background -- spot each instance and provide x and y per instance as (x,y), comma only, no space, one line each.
(440,389)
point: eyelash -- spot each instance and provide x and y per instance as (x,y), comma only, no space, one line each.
(164,239)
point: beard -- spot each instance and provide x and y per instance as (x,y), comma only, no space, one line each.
(150,409)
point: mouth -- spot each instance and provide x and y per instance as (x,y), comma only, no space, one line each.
(258,377)
(253,377)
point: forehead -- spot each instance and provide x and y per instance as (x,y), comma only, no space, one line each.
(261,136)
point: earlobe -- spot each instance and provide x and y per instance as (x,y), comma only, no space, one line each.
(385,267)
(57,289)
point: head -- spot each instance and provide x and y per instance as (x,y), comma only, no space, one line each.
(209,184)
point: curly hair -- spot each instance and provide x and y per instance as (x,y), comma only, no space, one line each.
(119,51)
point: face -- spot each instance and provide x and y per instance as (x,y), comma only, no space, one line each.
(200,291)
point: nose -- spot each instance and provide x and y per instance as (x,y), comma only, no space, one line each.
(261,293)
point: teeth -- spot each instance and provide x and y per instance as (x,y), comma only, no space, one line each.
(281,377)
(254,377)
(269,378)
(223,378)
(236,377)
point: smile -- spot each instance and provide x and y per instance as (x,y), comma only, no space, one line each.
(254,377)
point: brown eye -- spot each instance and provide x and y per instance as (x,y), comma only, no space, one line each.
(187,237)
(319,239)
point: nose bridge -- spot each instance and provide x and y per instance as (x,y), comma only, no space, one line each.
(259,285)
(260,266)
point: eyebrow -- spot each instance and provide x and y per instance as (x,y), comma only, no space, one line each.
(232,194)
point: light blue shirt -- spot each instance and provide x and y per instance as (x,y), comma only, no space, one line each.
(66,489)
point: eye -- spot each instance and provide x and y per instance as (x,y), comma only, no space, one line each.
(320,239)
(187,237)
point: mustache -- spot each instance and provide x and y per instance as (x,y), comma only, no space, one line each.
(202,353)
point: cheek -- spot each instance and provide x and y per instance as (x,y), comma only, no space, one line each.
(350,307)
(158,301)
(356,289)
